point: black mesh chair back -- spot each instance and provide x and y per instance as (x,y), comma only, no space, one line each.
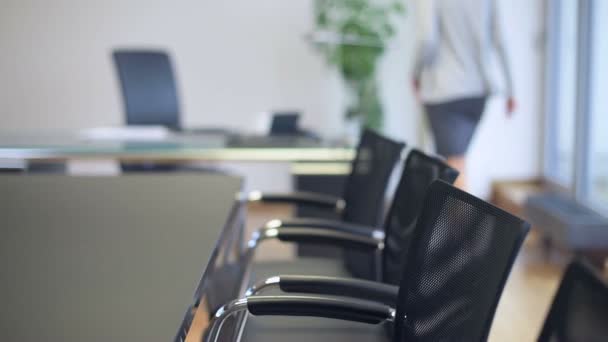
(580,309)
(461,254)
(148,88)
(419,171)
(364,192)
(371,169)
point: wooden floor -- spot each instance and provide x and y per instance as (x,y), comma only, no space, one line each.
(525,300)
(528,294)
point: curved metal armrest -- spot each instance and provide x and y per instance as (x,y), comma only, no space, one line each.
(336,225)
(329,237)
(304,198)
(347,309)
(356,239)
(342,237)
(348,287)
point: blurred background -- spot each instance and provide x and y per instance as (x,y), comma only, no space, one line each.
(236,59)
(238,62)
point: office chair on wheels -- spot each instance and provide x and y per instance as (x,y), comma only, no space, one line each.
(461,253)
(363,197)
(580,309)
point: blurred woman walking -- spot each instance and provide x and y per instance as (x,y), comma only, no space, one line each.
(456,39)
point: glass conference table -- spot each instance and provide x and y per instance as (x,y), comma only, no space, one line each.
(313,165)
(129,258)
(176,147)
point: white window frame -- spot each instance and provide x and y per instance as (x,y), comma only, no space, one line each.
(581,182)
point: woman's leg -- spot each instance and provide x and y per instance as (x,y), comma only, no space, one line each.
(459,163)
(453,124)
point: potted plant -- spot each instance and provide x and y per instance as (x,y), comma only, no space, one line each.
(352,35)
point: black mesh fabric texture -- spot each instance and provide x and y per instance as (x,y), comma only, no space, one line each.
(364,192)
(462,252)
(580,308)
(419,171)
(364,189)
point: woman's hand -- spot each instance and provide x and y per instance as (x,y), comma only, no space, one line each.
(511,106)
(416,87)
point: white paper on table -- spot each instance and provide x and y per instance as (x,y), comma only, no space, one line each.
(17,164)
(261,126)
(132,133)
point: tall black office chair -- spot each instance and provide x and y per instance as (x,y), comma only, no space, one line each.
(462,252)
(148,88)
(364,189)
(420,171)
(580,309)
(363,198)
(149,96)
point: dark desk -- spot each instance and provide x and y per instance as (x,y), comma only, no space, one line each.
(112,258)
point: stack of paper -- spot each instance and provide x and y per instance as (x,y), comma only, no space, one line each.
(128,133)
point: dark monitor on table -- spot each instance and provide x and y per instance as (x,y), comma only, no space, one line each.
(285,123)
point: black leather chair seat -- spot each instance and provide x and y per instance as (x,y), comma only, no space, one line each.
(306,329)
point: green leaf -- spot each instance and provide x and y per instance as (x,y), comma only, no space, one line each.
(388,29)
(398,7)
(357,64)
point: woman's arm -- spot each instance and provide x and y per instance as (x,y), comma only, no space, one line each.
(427,32)
(498,40)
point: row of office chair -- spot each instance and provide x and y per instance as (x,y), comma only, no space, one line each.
(440,261)
(150,95)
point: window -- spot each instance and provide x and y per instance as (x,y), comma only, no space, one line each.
(577,107)
(561,85)
(598,108)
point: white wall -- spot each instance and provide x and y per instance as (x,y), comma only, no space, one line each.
(511,148)
(235,58)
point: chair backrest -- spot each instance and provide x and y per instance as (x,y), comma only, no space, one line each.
(580,309)
(419,171)
(366,185)
(462,252)
(148,88)
(364,193)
